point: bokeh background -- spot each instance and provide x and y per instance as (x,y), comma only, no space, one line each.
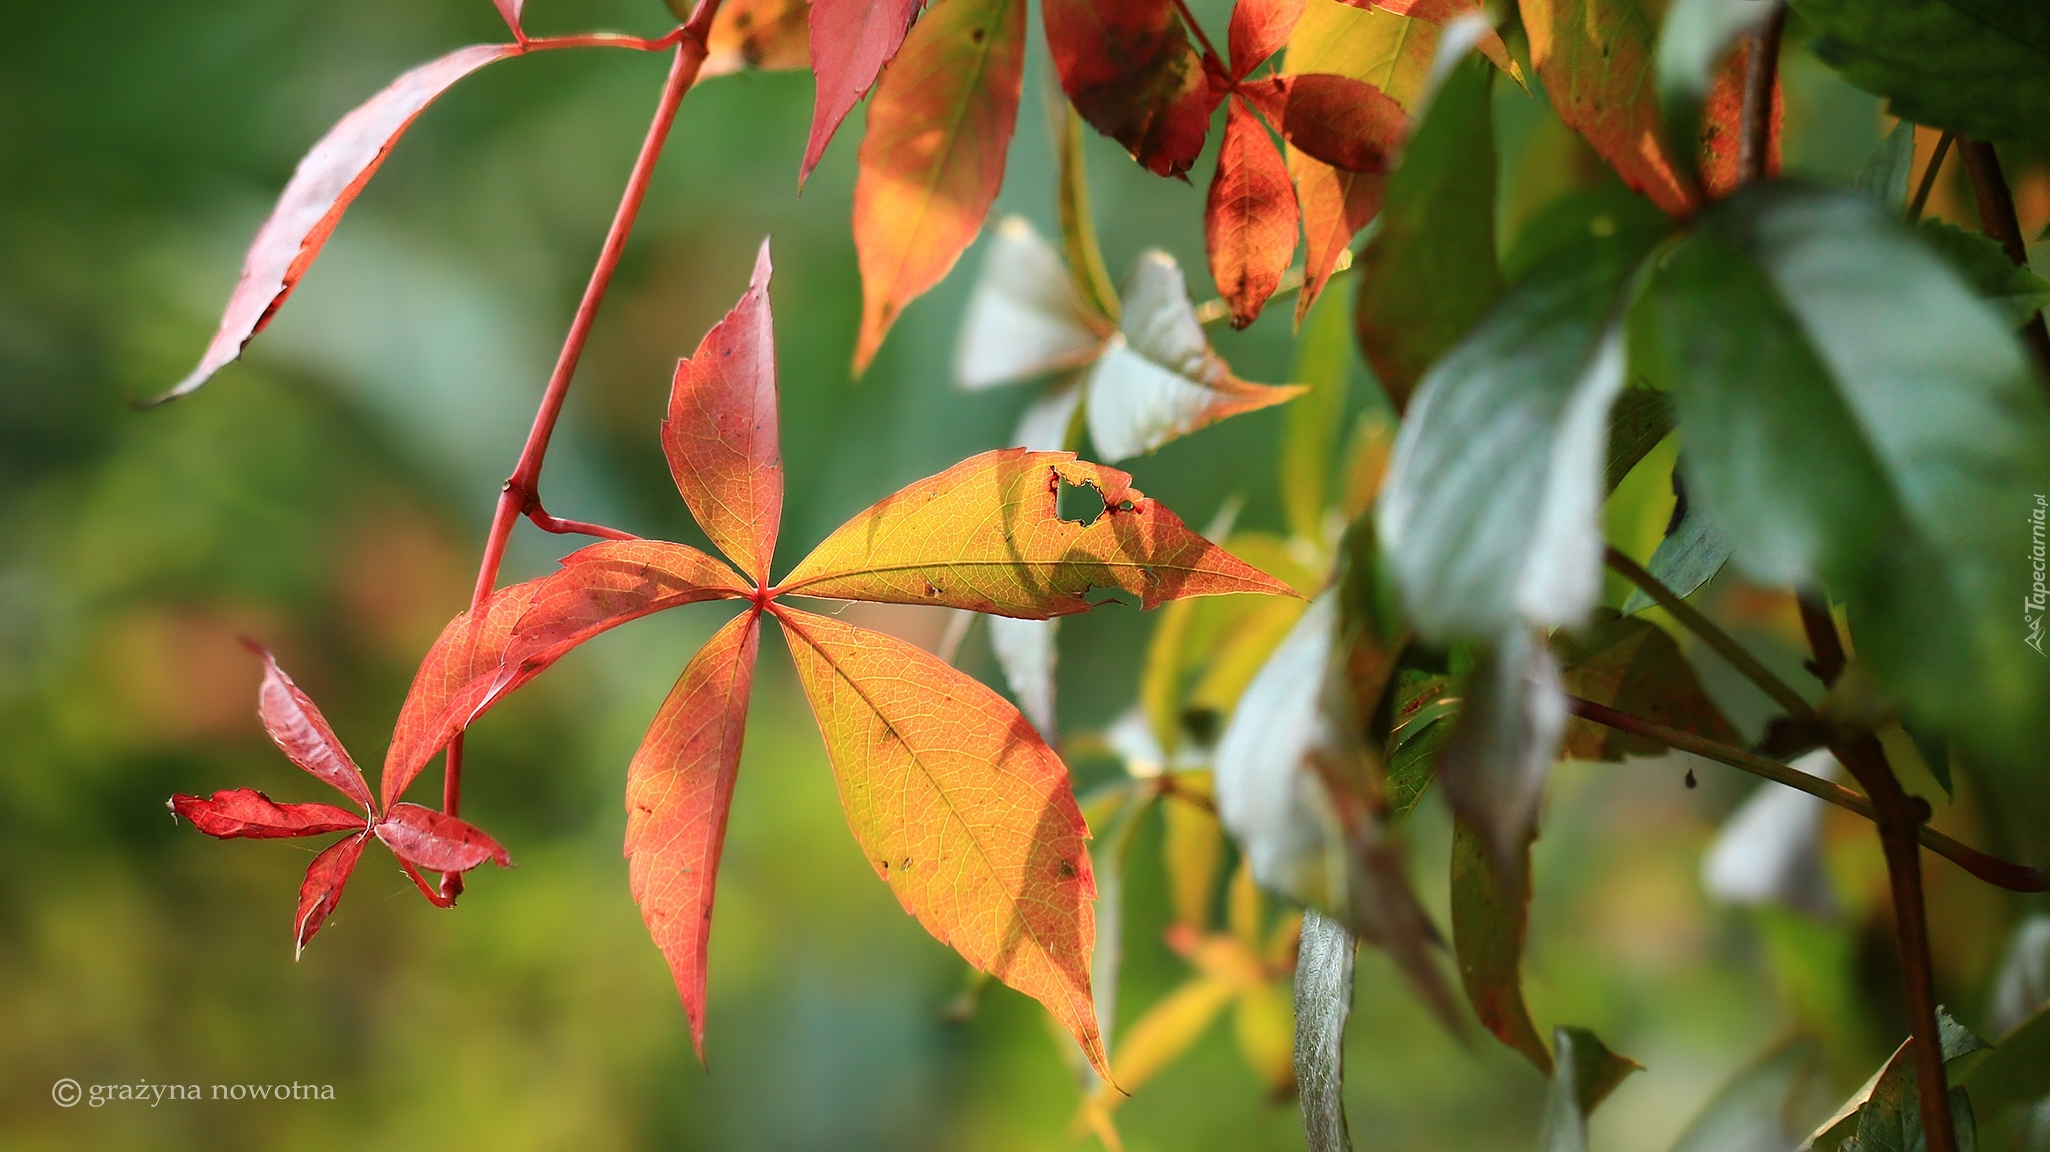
(328,496)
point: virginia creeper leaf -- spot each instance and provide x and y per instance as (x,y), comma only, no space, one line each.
(1335,206)
(1129,69)
(1158,378)
(1323,1002)
(678,790)
(1595,58)
(721,435)
(853,39)
(510,9)
(1429,273)
(245,813)
(1442,12)
(987,535)
(437,841)
(1979,67)
(321,189)
(302,733)
(520,630)
(1258,30)
(772,35)
(1343,122)
(961,808)
(1584,1075)
(1633,666)
(322,888)
(938,131)
(1249,222)
(1490,919)
(1026,316)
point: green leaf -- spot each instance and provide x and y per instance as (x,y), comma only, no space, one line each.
(1854,413)
(1605,212)
(1886,174)
(1633,666)
(1490,918)
(1693,551)
(1980,67)
(1582,1077)
(1310,426)
(1323,1001)
(1888,1101)
(1429,273)
(1980,260)
(1418,728)
(1641,418)
(1495,764)
(1491,511)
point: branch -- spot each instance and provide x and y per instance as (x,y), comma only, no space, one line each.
(1929,174)
(1997,219)
(1725,646)
(1761,71)
(1991,869)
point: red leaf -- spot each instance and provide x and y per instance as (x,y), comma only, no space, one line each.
(322,188)
(677,793)
(938,131)
(1335,206)
(298,728)
(1258,30)
(1346,123)
(721,435)
(437,841)
(1722,123)
(851,41)
(322,889)
(487,653)
(245,813)
(1250,220)
(510,9)
(1129,69)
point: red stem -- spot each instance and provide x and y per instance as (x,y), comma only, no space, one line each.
(521,494)
(1761,72)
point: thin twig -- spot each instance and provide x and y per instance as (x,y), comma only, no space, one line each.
(1761,74)
(1820,625)
(1993,870)
(1998,220)
(1929,175)
(1724,645)
(540,518)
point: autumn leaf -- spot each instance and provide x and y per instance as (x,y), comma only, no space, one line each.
(938,131)
(245,813)
(772,35)
(1258,30)
(1722,120)
(301,732)
(1595,58)
(961,808)
(321,189)
(678,789)
(853,39)
(1490,920)
(987,535)
(722,438)
(1026,316)
(1129,69)
(1346,123)
(1631,665)
(1250,219)
(437,841)
(321,891)
(510,9)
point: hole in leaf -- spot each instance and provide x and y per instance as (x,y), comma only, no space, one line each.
(1078,503)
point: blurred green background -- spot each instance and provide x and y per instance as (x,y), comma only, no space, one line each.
(328,496)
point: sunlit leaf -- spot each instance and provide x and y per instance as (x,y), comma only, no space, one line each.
(1250,218)
(772,35)
(721,435)
(1323,1001)
(1633,666)
(1346,123)
(933,159)
(987,535)
(245,813)
(1025,317)
(1595,58)
(1258,30)
(321,189)
(1264,1024)
(678,790)
(854,39)
(1130,70)
(1979,67)
(1192,851)
(961,808)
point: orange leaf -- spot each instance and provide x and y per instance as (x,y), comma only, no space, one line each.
(678,790)
(1258,30)
(721,435)
(1442,12)
(764,34)
(961,808)
(484,654)
(1335,206)
(987,535)
(1722,120)
(1347,123)
(1595,58)
(853,39)
(938,131)
(1250,220)
(322,187)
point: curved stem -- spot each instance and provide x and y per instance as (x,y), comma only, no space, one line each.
(1724,645)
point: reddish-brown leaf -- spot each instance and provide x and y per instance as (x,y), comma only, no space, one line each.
(322,889)
(437,841)
(1258,30)
(721,435)
(516,633)
(245,813)
(851,41)
(297,726)
(1129,69)
(961,808)
(765,34)
(510,9)
(1250,220)
(1335,206)
(1347,123)
(1595,58)
(322,188)
(938,131)
(1722,124)
(678,790)
(987,535)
